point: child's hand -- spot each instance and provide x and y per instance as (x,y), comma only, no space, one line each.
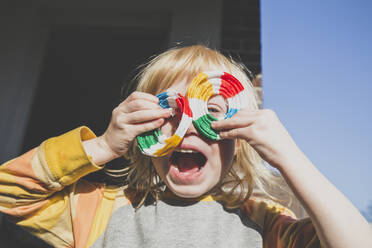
(331,213)
(263,131)
(137,114)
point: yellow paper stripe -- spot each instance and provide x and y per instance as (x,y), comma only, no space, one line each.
(200,88)
(170,143)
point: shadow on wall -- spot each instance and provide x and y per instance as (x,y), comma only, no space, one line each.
(80,84)
(83,73)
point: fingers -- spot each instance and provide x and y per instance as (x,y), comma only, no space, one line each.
(136,98)
(139,104)
(231,134)
(139,113)
(237,121)
(138,101)
(148,126)
(238,126)
(142,95)
(146,115)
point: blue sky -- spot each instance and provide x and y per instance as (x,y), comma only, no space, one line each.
(317,77)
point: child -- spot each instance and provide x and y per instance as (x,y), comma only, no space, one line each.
(204,193)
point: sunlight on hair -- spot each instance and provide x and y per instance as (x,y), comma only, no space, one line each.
(248,174)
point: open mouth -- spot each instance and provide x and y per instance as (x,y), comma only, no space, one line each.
(188,160)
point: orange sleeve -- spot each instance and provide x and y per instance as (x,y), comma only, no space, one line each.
(41,191)
(279,226)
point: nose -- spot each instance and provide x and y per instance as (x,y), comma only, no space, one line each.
(191,130)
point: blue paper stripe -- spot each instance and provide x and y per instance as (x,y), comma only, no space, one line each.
(163,102)
(230,113)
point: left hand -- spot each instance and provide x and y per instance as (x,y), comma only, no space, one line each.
(263,131)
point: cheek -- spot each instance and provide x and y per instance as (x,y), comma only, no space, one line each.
(160,165)
(170,126)
(227,151)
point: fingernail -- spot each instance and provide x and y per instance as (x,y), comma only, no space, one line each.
(171,111)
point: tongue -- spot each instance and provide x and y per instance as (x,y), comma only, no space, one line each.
(188,163)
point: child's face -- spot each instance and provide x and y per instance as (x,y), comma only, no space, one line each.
(197,164)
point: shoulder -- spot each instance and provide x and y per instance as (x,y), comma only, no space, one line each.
(262,211)
(92,206)
(280,227)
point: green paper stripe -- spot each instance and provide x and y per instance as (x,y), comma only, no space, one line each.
(203,124)
(146,140)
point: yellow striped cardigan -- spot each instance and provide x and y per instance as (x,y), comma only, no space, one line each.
(42,191)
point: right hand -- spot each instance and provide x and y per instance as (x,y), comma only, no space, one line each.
(137,114)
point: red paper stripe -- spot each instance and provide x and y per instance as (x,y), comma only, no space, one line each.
(230,86)
(183,105)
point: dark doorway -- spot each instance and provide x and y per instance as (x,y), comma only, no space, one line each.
(80,84)
(82,77)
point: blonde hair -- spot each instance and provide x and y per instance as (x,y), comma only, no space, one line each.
(248,173)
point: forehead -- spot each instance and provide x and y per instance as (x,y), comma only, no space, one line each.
(180,85)
(182,82)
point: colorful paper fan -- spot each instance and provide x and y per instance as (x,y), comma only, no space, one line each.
(194,109)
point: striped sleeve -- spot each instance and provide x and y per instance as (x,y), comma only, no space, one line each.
(280,228)
(40,193)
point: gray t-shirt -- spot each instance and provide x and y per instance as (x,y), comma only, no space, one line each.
(175,224)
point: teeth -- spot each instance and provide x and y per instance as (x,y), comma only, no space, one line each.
(186,151)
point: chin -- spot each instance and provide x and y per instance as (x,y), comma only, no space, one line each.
(188,191)
(187,194)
